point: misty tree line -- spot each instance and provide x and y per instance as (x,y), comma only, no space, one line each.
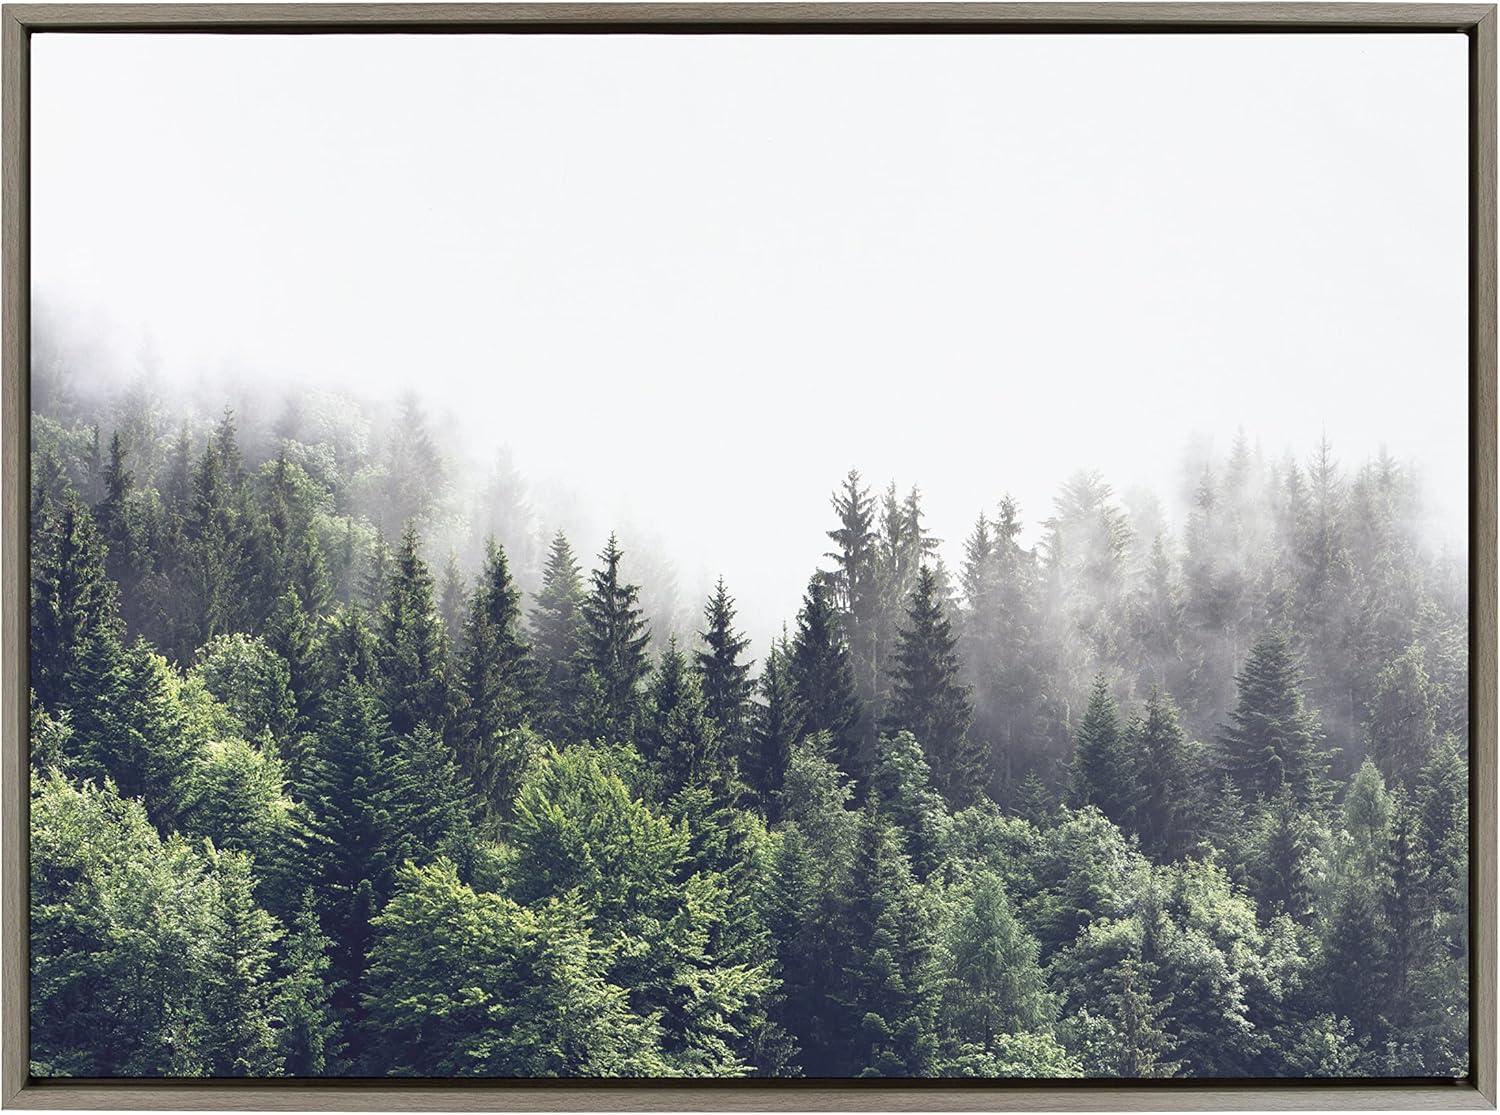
(1124,803)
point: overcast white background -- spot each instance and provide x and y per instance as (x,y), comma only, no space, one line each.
(696,279)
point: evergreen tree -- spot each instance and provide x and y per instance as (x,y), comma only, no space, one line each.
(1272,739)
(452,600)
(354,835)
(823,675)
(239,990)
(890,980)
(614,643)
(1286,861)
(496,682)
(725,672)
(1402,724)
(1166,811)
(412,652)
(776,726)
(75,627)
(557,631)
(308,1037)
(930,701)
(994,985)
(430,806)
(1103,774)
(679,738)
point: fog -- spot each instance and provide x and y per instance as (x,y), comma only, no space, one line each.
(687,283)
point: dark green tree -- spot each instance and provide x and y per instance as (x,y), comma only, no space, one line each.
(1166,812)
(1103,773)
(1272,740)
(776,726)
(496,683)
(725,672)
(614,643)
(678,737)
(929,699)
(557,631)
(412,652)
(822,672)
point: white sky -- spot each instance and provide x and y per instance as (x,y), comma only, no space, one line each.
(698,278)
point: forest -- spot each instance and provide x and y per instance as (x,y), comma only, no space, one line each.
(342,768)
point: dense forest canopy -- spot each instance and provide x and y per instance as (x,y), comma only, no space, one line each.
(336,774)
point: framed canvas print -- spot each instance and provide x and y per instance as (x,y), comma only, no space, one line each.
(756,556)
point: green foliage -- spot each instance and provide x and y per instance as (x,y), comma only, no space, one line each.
(1272,740)
(822,674)
(612,658)
(679,738)
(1103,772)
(930,701)
(314,818)
(496,684)
(725,671)
(251,682)
(149,957)
(557,631)
(516,991)
(412,651)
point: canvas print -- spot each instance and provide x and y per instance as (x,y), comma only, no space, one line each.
(749,556)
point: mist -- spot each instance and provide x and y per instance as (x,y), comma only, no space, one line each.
(689,284)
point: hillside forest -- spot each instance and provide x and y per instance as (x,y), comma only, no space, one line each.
(345,763)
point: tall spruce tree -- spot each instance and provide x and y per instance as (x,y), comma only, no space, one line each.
(725,671)
(1103,774)
(1166,808)
(557,632)
(1272,739)
(496,681)
(614,643)
(412,651)
(354,835)
(679,739)
(823,674)
(930,701)
(75,626)
(776,726)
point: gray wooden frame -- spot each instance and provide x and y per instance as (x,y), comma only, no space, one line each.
(21,20)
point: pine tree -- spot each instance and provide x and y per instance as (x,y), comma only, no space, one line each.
(1402,724)
(115,518)
(930,701)
(725,672)
(777,725)
(614,643)
(1103,774)
(293,635)
(496,682)
(431,807)
(412,652)
(308,1037)
(74,609)
(994,985)
(679,739)
(452,601)
(890,978)
(1286,860)
(296,556)
(557,632)
(854,596)
(1165,813)
(902,785)
(354,835)
(823,675)
(1272,739)
(239,990)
